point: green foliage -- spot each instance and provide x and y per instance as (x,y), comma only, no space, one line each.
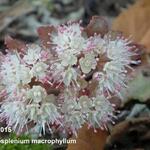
(139,88)
(24,146)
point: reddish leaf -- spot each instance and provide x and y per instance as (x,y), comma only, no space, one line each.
(44,34)
(14,44)
(97,25)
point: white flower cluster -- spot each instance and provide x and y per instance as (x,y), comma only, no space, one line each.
(27,102)
(96,111)
(70,66)
(18,70)
(68,43)
(113,76)
(77,55)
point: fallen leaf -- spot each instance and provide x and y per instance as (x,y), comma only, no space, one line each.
(130,134)
(18,9)
(89,140)
(135,22)
(146,40)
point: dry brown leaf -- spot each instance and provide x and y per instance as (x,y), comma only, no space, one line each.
(146,40)
(135,22)
(18,9)
(89,140)
(130,134)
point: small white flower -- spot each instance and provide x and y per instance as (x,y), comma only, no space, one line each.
(49,113)
(74,121)
(39,70)
(69,39)
(88,62)
(96,44)
(85,103)
(73,116)
(57,71)
(101,113)
(64,72)
(25,74)
(70,76)
(70,105)
(33,54)
(14,72)
(44,113)
(118,49)
(9,70)
(112,79)
(32,111)
(37,94)
(68,59)
(15,114)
